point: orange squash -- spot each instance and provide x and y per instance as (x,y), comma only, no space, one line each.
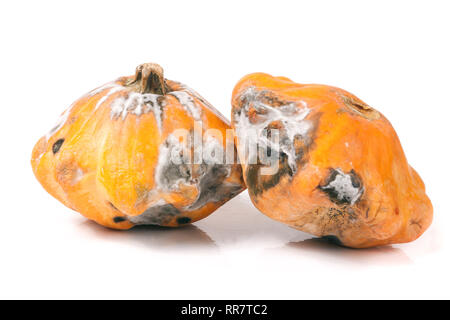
(109,156)
(340,169)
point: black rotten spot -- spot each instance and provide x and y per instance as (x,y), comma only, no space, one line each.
(183,220)
(332,239)
(57,145)
(119,219)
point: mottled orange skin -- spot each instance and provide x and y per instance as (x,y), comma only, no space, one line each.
(393,208)
(117,159)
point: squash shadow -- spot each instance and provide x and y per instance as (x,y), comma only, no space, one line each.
(185,238)
(383,255)
(239,224)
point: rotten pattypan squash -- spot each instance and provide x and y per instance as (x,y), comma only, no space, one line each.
(330,164)
(123,154)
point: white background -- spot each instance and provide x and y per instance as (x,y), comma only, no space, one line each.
(392,54)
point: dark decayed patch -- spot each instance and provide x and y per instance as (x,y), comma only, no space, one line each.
(172,174)
(212,186)
(332,239)
(119,219)
(157,215)
(356,180)
(257,183)
(57,145)
(183,220)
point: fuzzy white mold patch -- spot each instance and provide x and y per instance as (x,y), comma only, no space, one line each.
(111,86)
(206,103)
(188,103)
(138,104)
(344,187)
(111,91)
(212,151)
(290,115)
(172,169)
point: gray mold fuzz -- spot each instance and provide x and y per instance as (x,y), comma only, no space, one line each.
(175,168)
(212,186)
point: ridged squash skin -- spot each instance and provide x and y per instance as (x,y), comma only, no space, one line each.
(342,171)
(108,156)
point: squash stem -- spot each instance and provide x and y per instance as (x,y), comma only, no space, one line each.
(149,78)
